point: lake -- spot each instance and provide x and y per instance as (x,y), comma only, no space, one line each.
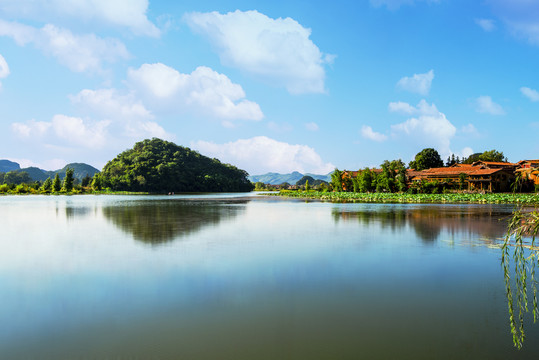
(240,276)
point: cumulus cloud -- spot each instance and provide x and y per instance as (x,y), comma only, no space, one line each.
(80,53)
(203,91)
(4,68)
(401,107)
(418,83)
(395,4)
(368,133)
(279,51)
(261,154)
(429,127)
(72,130)
(122,13)
(531,94)
(124,111)
(486,24)
(31,129)
(111,104)
(485,105)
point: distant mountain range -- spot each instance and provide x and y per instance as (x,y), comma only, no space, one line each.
(292,178)
(36,174)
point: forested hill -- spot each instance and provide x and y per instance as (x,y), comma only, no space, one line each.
(6,165)
(292,178)
(36,174)
(161,166)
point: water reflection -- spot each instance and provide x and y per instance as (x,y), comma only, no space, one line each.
(428,221)
(156,222)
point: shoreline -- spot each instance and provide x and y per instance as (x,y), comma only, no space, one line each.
(403,198)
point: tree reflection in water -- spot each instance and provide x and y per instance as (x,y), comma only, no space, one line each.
(157,222)
(487,221)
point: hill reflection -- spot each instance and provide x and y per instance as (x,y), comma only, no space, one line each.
(157,222)
(486,221)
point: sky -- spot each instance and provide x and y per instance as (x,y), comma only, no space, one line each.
(268,86)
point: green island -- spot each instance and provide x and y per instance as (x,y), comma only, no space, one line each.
(151,166)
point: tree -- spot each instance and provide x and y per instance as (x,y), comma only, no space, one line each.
(336,180)
(96,182)
(68,180)
(400,174)
(492,155)
(47,185)
(86,181)
(307,186)
(426,159)
(56,184)
(365,180)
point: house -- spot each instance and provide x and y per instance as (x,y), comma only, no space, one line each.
(480,176)
(528,169)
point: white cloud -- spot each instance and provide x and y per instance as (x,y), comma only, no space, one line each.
(429,127)
(75,131)
(203,91)
(31,129)
(418,83)
(276,50)
(261,154)
(123,13)
(486,24)
(465,152)
(520,16)
(72,130)
(485,105)
(80,53)
(395,4)
(123,111)
(469,129)
(109,103)
(4,68)
(368,133)
(531,94)
(401,107)
(312,126)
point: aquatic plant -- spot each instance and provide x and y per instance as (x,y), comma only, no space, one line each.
(525,256)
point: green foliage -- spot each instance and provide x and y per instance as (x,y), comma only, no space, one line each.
(493,155)
(161,166)
(524,261)
(47,185)
(68,180)
(307,186)
(56,184)
(457,198)
(86,181)
(336,180)
(16,177)
(425,159)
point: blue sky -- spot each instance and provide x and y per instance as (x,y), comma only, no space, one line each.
(268,85)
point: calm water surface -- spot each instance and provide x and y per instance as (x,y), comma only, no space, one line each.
(243,277)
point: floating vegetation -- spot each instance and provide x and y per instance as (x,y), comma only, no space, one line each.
(525,256)
(475,198)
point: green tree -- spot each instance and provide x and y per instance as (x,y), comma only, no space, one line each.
(96,182)
(336,180)
(86,181)
(426,159)
(307,186)
(399,169)
(493,155)
(47,185)
(56,184)
(365,180)
(68,180)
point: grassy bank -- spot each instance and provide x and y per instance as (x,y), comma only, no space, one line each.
(505,198)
